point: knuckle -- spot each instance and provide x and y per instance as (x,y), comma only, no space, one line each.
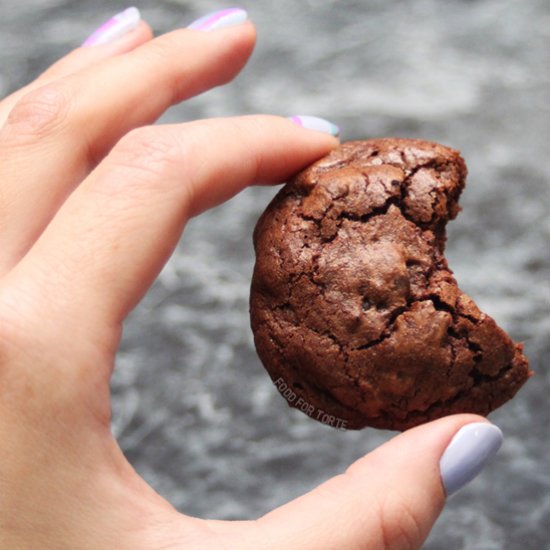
(163,47)
(147,152)
(399,526)
(396,518)
(160,52)
(38,113)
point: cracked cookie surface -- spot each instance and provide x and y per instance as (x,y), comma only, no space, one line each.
(356,315)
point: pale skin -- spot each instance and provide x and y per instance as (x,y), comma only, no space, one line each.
(92,202)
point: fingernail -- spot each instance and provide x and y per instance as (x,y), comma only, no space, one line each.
(316,123)
(114,28)
(467,454)
(220,19)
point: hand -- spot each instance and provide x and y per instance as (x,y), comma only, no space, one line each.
(92,203)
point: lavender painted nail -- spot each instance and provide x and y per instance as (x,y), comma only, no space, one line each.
(316,123)
(220,19)
(114,28)
(467,454)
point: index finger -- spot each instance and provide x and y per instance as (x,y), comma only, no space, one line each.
(112,236)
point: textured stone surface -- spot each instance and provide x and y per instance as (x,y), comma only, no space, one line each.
(193,407)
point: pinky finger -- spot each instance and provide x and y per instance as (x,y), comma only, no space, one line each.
(130,35)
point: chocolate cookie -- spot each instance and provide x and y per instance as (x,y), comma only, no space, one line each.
(355,312)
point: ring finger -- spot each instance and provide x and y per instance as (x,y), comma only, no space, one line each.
(137,32)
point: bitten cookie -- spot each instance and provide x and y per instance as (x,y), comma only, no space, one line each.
(356,315)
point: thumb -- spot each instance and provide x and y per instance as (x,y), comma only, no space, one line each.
(390,498)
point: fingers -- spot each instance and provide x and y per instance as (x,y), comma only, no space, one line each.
(78,60)
(66,126)
(390,498)
(114,233)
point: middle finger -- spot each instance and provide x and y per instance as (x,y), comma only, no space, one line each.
(55,135)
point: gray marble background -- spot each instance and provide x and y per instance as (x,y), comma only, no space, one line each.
(193,409)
